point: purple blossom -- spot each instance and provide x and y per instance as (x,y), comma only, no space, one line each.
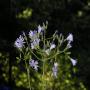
(52,46)
(55,69)
(33,64)
(33,34)
(39,29)
(73,61)
(34,39)
(69,38)
(19,43)
(35,43)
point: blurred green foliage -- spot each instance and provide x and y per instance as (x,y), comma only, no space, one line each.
(4,67)
(19,75)
(25,14)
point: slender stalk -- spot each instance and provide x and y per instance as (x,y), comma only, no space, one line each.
(34,54)
(28,72)
(27,68)
(44,64)
(43,74)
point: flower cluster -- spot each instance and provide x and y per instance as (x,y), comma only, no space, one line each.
(47,59)
(35,43)
(19,43)
(34,38)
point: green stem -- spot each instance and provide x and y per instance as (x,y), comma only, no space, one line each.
(44,64)
(43,75)
(28,72)
(34,54)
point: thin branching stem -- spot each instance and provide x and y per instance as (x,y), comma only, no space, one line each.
(28,72)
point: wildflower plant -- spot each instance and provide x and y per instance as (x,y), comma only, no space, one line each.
(47,60)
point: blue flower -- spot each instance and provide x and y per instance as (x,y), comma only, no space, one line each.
(39,29)
(33,35)
(33,64)
(52,46)
(69,38)
(19,43)
(55,69)
(74,62)
(35,43)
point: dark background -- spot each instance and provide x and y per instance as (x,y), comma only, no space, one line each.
(66,16)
